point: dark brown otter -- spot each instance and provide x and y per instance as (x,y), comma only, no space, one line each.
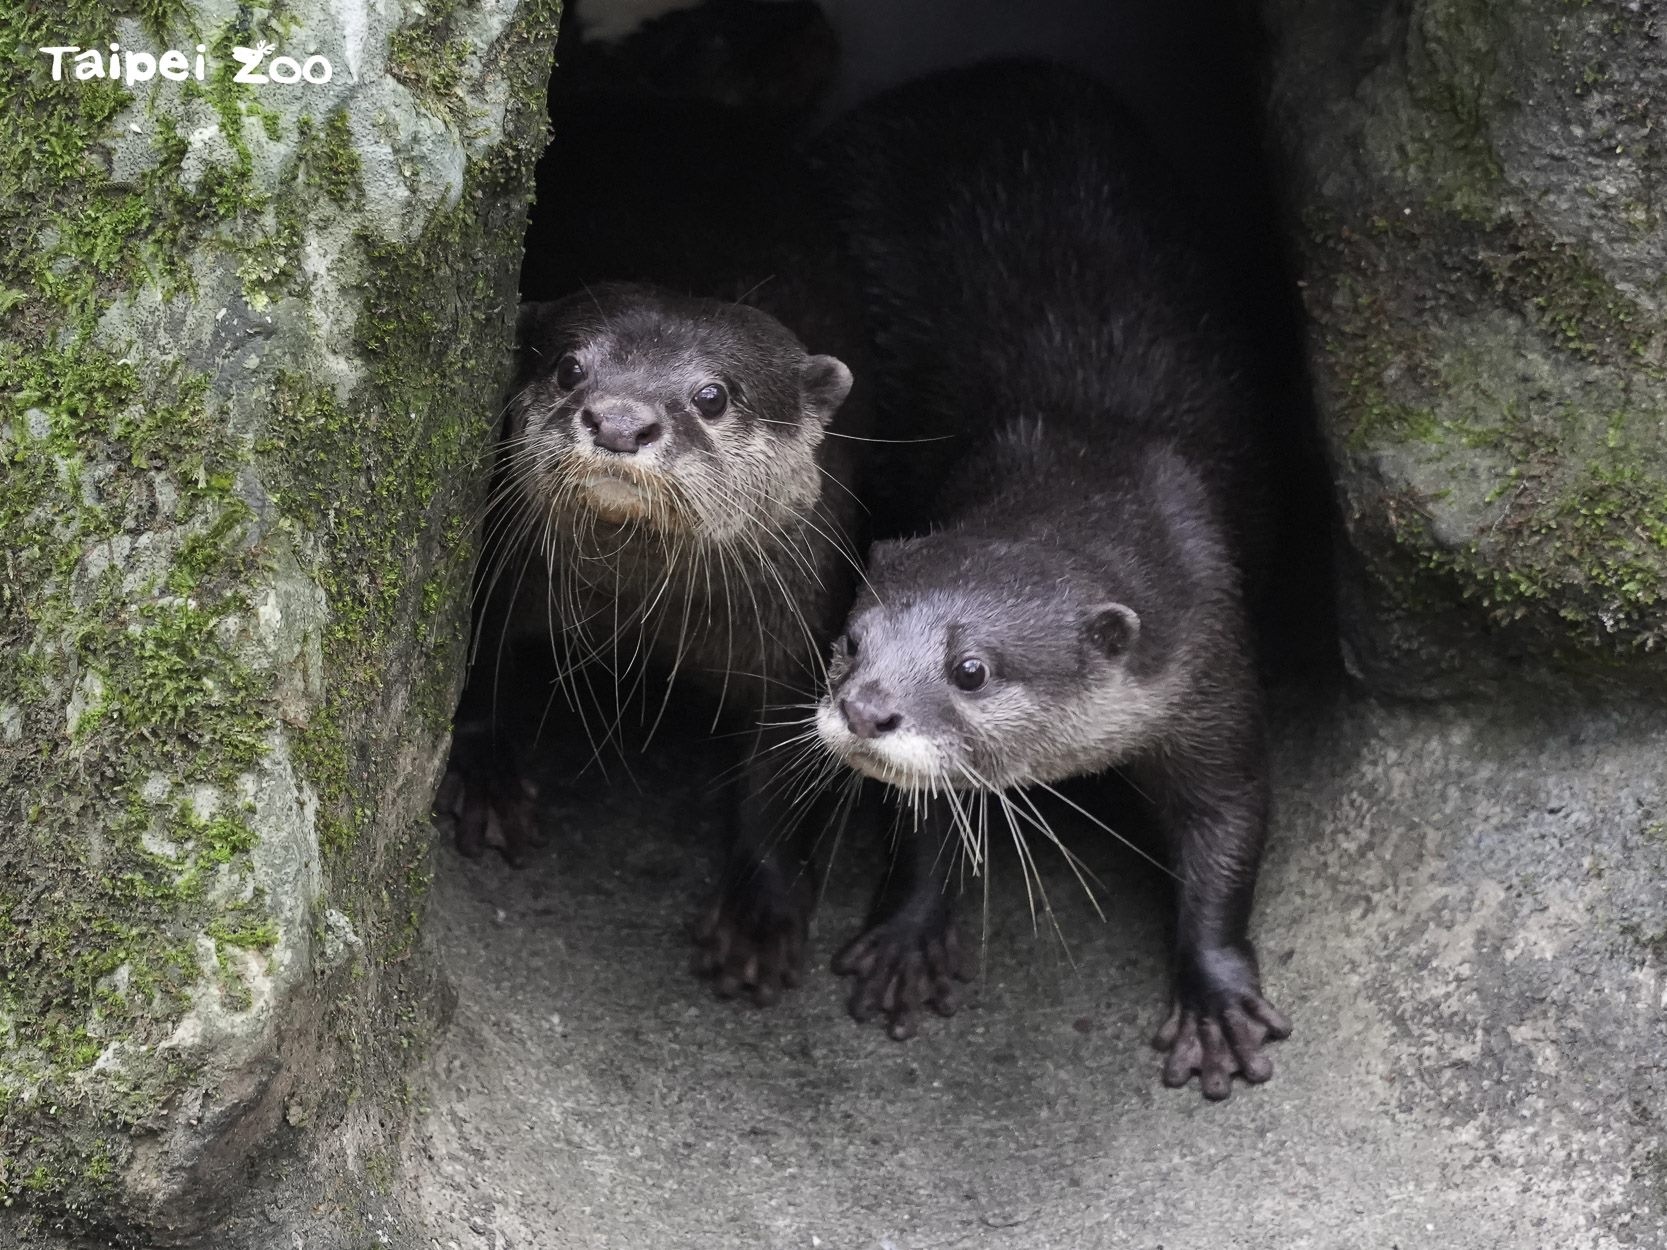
(675,505)
(674,502)
(1040,290)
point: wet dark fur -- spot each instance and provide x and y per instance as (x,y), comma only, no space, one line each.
(1041,290)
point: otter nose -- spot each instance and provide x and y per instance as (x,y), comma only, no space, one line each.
(869,715)
(622,427)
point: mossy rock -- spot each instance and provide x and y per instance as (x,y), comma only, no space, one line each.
(1482,242)
(250,340)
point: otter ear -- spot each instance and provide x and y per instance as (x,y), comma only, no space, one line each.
(1112,628)
(824,382)
(530,320)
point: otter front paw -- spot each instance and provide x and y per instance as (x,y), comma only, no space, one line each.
(1218,1026)
(902,966)
(753,938)
(488,799)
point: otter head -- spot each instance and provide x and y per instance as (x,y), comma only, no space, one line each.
(981,664)
(693,417)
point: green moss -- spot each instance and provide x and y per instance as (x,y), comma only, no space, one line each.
(1453,79)
(430,60)
(122,500)
(1570,546)
(328,160)
(171,680)
(102,876)
(207,551)
(1561,291)
(423,412)
(432,67)
(261,936)
(45,163)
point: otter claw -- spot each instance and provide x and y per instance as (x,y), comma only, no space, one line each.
(489,801)
(1220,1042)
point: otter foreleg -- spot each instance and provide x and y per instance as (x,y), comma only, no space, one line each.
(1219,1020)
(909,957)
(486,794)
(752,938)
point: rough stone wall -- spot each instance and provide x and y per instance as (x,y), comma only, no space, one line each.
(251,342)
(1482,189)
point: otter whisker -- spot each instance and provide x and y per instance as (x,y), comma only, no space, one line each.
(801,754)
(1082,811)
(1083,873)
(961,825)
(677,658)
(780,685)
(515,591)
(833,480)
(729,632)
(1037,820)
(567,681)
(984,844)
(847,804)
(864,438)
(812,779)
(517,522)
(960,830)
(754,289)
(1028,861)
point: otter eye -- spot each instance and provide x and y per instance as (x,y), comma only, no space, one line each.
(846,645)
(969,674)
(569,372)
(711,400)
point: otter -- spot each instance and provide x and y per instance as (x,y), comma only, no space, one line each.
(673,502)
(1042,289)
(675,497)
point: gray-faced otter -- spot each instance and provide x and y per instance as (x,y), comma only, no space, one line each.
(1039,288)
(674,504)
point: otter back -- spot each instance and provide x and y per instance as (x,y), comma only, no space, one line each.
(1023,250)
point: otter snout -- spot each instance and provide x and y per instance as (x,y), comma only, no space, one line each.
(870,715)
(622,425)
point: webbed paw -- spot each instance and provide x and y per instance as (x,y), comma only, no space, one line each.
(902,966)
(1219,1024)
(753,938)
(490,801)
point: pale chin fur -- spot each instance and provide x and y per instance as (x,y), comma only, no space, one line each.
(906,760)
(614,498)
(615,493)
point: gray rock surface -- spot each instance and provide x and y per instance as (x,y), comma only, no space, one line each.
(1483,240)
(1461,911)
